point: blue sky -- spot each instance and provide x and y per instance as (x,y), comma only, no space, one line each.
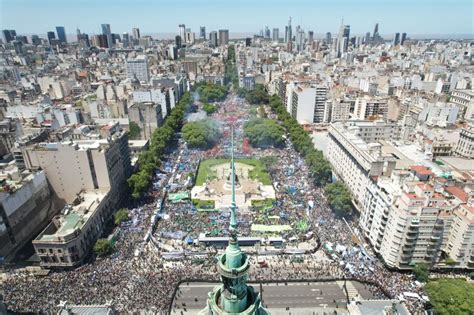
(163,16)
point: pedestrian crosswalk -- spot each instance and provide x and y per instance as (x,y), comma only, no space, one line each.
(352,292)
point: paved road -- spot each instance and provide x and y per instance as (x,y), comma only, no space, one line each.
(301,298)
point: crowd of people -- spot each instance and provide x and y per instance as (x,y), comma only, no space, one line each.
(136,277)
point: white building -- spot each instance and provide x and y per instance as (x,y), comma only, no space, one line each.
(370,107)
(439,114)
(138,67)
(354,156)
(465,147)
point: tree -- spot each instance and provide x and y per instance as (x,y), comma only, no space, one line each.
(269,161)
(451,296)
(209,92)
(258,95)
(134,132)
(200,134)
(264,132)
(120,216)
(339,198)
(421,272)
(103,247)
(209,108)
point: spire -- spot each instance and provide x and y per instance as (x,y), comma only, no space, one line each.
(233,207)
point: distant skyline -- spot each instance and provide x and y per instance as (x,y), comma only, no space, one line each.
(242,16)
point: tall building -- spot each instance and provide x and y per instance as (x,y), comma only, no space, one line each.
(84,165)
(396,39)
(125,40)
(213,39)
(202,32)
(223,37)
(61,31)
(267,32)
(300,40)
(234,296)
(328,38)
(178,42)
(376,32)
(288,32)
(8,35)
(35,40)
(50,36)
(275,34)
(136,33)
(138,67)
(404,37)
(108,34)
(371,108)
(310,37)
(182,31)
(344,34)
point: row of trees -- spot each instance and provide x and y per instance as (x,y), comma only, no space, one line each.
(231,75)
(201,134)
(209,92)
(256,96)
(149,160)
(338,195)
(264,133)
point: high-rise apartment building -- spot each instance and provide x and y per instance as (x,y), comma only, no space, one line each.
(465,146)
(138,67)
(182,31)
(223,37)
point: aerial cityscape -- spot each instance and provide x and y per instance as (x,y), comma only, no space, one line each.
(248,158)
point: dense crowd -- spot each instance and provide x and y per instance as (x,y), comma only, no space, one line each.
(137,278)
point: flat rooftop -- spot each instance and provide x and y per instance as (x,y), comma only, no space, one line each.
(74,217)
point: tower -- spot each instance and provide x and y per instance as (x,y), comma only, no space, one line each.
(233,296)
(108,34)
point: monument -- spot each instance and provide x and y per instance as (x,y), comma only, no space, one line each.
(233,296)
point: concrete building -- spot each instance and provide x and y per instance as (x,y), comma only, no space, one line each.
(147,115)
(465,101)
(465,147)
(439,114)
(303,104)
(213,39)
(223,37)
(460,244)
(70,236)
(84,165)
(138,68)
(354,155)
(341,110)
(275,34)
(108,35)
(370,108)
(26,207)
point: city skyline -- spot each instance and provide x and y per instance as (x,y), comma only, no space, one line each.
(395,16)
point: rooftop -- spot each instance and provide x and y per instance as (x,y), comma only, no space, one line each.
(73,217)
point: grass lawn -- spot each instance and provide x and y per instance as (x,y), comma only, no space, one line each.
(258,173)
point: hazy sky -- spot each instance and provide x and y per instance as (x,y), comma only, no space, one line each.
(163,16)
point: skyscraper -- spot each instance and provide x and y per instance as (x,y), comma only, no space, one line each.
(7,36)
(344,34)
(267,32)
(404,37)
(367,38)
(223,37)
(178,41)
(50,36)
(125,40)
(288,34)
(202,32)
(300,40)
(396,39)
(108,34)
(234,296)
(182,31)
(136,33)
(375,36)
(275,34)
(213,38)
(310,36)
(328,38)
(61,31)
